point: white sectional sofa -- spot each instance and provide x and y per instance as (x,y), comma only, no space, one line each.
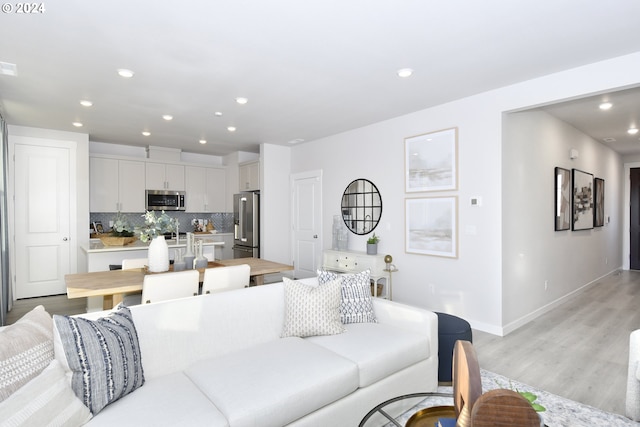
(219,360)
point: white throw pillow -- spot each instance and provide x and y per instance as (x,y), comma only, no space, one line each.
(45,400)
(26,349)
(311,310)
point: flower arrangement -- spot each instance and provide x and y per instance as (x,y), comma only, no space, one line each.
(156,226)
(121,226)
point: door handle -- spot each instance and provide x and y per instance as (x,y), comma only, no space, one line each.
(315,236)
(64,239)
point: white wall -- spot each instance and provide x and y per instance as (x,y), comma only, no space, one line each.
(534,144)
(275,203)
(472,285)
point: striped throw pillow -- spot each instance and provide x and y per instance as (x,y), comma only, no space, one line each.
(103,356)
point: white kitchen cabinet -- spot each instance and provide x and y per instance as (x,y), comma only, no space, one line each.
(205,188)
(249,176)
(116,185)
(164,176)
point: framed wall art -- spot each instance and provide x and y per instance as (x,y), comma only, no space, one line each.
(562,199)
(598,214)
(582,198)
(431,161)
(431,226)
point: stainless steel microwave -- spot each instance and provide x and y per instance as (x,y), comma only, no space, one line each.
(165,200)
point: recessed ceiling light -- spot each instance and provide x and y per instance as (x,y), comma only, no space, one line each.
(146,133)
(609,139)
(241,100)
(605,106)
(127,74)
(203,141)
(405,72)
(231,128)
(86,103)
(218,114)
(77,124)
(167,117)
(296,141)
(632,131)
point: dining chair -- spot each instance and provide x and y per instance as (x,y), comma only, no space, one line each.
(166,286)
(220,279)
(134,263)
(133,298)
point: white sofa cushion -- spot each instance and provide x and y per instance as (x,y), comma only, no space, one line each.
(311,310)
(274,383)
(171,400)
(378,349)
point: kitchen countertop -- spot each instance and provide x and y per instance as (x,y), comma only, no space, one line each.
(96,245)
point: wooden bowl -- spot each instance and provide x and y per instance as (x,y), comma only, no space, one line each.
(109,240)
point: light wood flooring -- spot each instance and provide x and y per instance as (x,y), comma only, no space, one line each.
(578,350)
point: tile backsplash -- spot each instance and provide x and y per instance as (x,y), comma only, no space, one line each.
(222,221)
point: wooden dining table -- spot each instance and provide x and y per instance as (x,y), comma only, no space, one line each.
(114,284)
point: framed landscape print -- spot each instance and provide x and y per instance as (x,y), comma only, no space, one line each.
(431,161)
(582,200)
(562,199)
(598,215)
(431,226)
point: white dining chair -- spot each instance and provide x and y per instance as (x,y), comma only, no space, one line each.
(134,263)
(220,279)
(166,286)
(133,298)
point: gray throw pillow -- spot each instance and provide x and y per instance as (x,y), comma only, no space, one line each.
(103,356)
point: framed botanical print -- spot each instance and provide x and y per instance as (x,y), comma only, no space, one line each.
(598,195)
(582,199)
(562,199)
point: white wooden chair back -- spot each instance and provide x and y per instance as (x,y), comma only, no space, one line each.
(166,286)
(134,263)
(220,279)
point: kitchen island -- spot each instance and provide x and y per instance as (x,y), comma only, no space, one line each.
(100,257)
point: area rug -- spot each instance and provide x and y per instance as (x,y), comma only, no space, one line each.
(560,412)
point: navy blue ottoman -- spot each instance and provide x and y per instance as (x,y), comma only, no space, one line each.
(450,330)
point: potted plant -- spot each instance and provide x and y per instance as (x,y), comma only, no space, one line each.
(372,244)
(121,233)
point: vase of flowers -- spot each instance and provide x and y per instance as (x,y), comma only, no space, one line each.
(154,229)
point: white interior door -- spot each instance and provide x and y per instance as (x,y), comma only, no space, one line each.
(42,220)
(307,223)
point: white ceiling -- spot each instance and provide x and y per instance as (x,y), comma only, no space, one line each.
(308,68)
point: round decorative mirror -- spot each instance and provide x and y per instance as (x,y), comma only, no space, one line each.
(361,206)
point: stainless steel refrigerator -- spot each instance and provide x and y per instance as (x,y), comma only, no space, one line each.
(246,217)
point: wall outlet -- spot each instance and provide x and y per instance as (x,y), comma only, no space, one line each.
(546,285)
(432,288)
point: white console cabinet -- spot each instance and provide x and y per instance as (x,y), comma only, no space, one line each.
(354,262)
